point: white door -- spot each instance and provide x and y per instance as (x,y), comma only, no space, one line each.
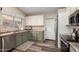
(50,28)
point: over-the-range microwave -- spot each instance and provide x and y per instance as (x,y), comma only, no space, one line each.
(74,18)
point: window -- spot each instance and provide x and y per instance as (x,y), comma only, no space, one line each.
(7,20)
(6,17)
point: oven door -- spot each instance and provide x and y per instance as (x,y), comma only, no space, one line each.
(64,46)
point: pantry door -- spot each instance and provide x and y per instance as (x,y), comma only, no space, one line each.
(50,29)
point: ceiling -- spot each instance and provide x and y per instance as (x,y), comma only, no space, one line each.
(39,10)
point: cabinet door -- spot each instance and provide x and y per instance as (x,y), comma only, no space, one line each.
(34,35)
(40,36)
(29,35)
(18,39)
(24,37)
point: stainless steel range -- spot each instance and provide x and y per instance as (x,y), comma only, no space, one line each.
(65,46)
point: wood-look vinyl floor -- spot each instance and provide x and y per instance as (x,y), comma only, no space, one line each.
(46,46)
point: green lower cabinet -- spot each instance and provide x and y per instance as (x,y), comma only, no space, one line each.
(34,35)
(40,36)
(18,39)
(24,37)
(21,38)
(30,35)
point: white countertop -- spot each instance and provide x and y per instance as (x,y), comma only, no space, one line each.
(4,34)
(75,46)
(14,32)
(9,33)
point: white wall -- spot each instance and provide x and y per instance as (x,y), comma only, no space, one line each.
(50,15)
(35,20)
(63,21)
(12,11)
(50,33)
(0,17)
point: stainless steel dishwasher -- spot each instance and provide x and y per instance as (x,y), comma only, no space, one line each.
(0,44)
(7,43)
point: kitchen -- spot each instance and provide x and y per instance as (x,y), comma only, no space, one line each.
(37,29)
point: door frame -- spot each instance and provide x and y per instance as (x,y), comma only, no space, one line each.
(46,27)
(56,33)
